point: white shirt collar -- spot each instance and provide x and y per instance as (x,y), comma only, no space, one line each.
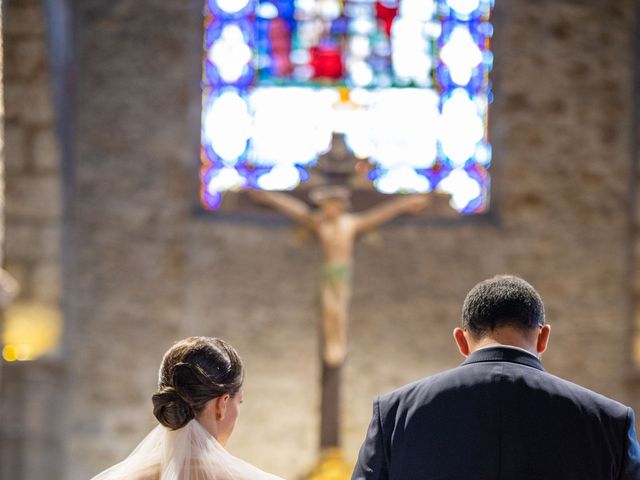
(507,346)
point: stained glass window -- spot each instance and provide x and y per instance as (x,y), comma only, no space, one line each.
(405,81)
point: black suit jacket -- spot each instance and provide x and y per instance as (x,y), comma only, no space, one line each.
(498,416)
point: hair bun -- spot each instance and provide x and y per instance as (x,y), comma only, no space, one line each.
(193,372)
(170,409)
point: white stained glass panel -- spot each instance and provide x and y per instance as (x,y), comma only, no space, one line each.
(232,6)
(461,186)
(403,127)
(461,127)
(227,125)
(402,179)
(291,125)
(231,54)
(461,55)
(280,177)
(226,178)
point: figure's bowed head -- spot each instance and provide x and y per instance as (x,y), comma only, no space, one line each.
(503,310)
(333,201)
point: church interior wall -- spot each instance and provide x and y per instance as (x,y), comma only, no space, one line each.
(150,269)
(32,397)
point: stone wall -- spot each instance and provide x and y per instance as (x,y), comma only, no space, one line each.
(30,427)
(151,270)
(148,269)
(634,247)
(33,187)
(1,128)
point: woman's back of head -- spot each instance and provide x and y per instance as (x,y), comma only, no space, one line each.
(194,371)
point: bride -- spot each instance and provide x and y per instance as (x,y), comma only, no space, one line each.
(197,404)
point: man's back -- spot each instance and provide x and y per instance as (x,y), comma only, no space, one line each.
(499,416)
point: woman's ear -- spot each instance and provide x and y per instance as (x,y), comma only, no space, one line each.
(221,406)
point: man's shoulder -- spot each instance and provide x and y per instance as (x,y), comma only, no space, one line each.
(432,383)
(475,375)
(590,399)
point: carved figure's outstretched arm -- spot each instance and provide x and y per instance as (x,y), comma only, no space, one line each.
(389,210)
(288,205)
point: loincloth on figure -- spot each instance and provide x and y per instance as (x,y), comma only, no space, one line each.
(336,274)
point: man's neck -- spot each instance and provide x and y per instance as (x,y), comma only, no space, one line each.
(487,342)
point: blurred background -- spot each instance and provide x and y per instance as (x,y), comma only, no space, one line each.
(110,236)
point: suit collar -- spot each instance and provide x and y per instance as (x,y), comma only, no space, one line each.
(504,354)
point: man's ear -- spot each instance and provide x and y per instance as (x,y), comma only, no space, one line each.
(221,406)
(461,341)
(543,338)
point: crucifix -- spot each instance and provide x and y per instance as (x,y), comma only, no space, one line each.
(337,230)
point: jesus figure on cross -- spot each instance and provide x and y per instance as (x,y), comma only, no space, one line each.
(337,230)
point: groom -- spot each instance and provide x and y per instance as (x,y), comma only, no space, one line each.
(499,415)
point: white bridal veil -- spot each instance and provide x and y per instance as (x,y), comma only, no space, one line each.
(189,453)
